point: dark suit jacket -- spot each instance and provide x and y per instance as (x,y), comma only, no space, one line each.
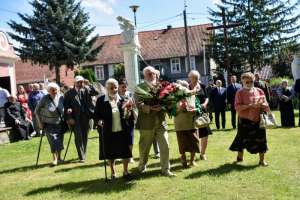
(79,106)
(14,111)
(219,99)
(103,111)
(264,87)
(231,91)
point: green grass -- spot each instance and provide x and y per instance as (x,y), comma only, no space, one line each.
(216,178)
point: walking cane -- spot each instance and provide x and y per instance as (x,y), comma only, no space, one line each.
(38,155)
(68,143)
(103,151)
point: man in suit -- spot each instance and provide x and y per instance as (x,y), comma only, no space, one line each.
(209,89)
(79,109)
(218,98)
(262,85)
(231,91)
(152,124)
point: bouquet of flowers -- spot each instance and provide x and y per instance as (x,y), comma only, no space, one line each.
(166,95)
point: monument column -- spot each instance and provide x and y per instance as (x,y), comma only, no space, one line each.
(130,47)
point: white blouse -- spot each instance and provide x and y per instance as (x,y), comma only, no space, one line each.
(116,120)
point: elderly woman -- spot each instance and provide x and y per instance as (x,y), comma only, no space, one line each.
(194,78)
(286,108)
(187,135)
(249,103)
(114,118)
(49,115)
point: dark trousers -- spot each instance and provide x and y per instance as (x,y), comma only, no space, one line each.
(217,118)
(233,117)
(81,130)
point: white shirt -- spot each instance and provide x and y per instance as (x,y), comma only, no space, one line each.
(116,119)
(3,96)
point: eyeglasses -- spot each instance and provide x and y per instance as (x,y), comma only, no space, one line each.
(249,82)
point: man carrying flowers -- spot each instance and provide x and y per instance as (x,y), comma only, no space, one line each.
(151,121)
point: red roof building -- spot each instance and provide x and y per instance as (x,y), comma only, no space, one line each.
(165,49)
(27,73)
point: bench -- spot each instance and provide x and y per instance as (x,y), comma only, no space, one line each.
(4,135)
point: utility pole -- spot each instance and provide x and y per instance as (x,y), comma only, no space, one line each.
(134,9)
(186,37)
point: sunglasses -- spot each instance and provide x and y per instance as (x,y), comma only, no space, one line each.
(249,82)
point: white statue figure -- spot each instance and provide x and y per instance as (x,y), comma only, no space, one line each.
(296,66)
(129,36)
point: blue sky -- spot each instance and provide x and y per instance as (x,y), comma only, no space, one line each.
(152,14)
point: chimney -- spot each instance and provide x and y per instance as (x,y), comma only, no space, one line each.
(169,27)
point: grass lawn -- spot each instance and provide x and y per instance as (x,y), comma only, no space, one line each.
(216,178)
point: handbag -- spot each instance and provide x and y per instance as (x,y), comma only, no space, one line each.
(267,120)
(63,123)
(202,120)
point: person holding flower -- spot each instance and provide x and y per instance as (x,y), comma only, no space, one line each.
(114,118)
(199,89)
(250,101)
(151,121)
(186,132)
(129,101)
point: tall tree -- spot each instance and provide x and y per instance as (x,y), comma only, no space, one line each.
(267,27)
(56,34)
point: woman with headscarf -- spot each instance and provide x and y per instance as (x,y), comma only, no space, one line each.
(49,113)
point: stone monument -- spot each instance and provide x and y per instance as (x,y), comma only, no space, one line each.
(130,48)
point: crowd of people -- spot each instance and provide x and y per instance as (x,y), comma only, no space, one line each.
(119,112)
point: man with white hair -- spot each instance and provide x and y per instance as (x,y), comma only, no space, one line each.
(152,125)
(79,109)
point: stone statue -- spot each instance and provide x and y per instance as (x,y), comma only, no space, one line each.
(296,74)
(129,36)
(296,67)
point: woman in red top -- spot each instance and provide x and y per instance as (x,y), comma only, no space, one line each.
(23,99)
(249,103)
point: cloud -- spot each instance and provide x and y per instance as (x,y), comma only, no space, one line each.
(216,2)
(104,6)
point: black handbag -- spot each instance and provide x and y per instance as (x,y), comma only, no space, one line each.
(63,123)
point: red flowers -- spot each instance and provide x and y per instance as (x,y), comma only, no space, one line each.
(166,90)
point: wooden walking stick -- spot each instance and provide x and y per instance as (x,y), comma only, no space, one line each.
(103,152)
(39,149)
(68,143)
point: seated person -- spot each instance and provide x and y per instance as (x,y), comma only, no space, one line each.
(15,117)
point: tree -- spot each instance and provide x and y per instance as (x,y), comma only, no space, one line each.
(56,34)
(266,28)
(119,71)
(87,74)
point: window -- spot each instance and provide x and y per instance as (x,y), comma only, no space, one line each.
(192,62)
(110,71)
(99,72)
(175,65)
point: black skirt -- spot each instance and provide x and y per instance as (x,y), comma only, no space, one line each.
(115,145)
(250,137)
